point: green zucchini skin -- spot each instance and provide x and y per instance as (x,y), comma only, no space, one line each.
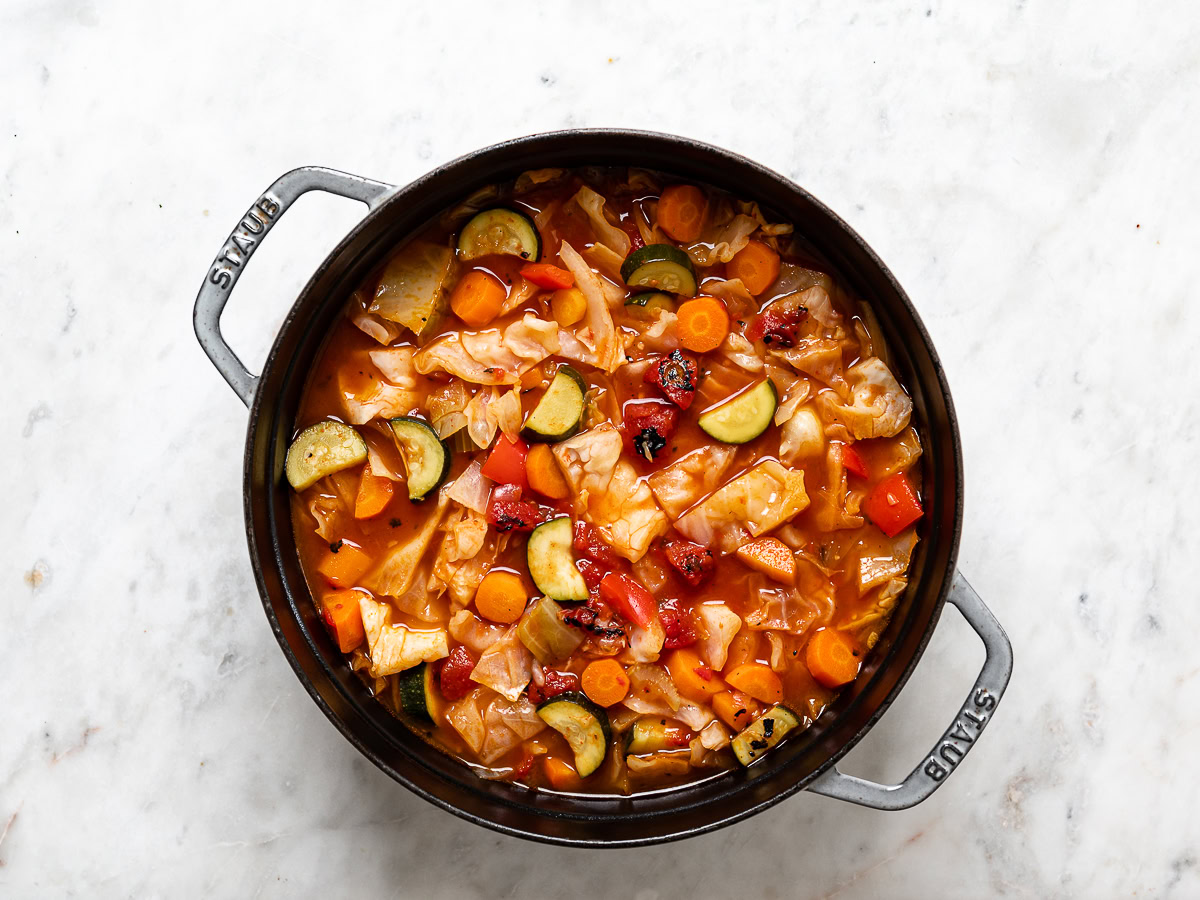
(426,456)
(321,450)
(559,413)
(418,692)
(763,733)
(643,305)
(743,418)
(660,267)
(551,561)
(500,230)
(650,735)
(583,724)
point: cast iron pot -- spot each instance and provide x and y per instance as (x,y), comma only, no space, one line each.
(804,762)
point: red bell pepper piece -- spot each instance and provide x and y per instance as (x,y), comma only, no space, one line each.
(506,463)
(544,275)
(625,595)
(455,678)
(893,504)
(853,462)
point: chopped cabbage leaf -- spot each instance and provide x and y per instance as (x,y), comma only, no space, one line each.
(394,648)
(506,666)
(607,233)
(467,628)
(394,575)
(411,289)
(597,332)
(755,502)
(681,484)
(878,405)
(721,624)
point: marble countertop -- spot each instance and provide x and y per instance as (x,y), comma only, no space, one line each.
(1027,169)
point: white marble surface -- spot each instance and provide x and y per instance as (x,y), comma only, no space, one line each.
(1028,169)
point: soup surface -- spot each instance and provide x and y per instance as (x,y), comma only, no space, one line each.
(603,484)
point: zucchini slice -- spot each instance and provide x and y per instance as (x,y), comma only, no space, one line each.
(644,306)
(500,231)
(551,561)
(426,456)
(764,733)
(660,267)
(744,417)
(417,692)
(583,724)
(560,411)
(321,450)
(654,734)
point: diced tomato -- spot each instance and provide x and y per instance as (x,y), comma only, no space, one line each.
(455,678)
(893,504)
(778,327)
(524,767)
(553,684)
(677,623)
(674,375)
(593,573)
(506,463)
(703,672)
(648,427)
(588,544)
(508,512)
(635,236)
(853,462)
(544,275)
(692,561)
(630,600)
(677,737)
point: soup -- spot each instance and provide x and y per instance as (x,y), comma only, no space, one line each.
(603,482)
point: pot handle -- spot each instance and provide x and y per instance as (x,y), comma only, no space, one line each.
(962,734)
(235,253)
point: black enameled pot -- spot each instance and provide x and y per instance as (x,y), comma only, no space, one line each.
(805,762)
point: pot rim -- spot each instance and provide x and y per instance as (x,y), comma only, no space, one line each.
(952,446)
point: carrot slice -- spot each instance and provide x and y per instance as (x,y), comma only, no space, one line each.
(681,210)
(757,680)
(547,276)
(735,709)
(605,682)
(702,324)
(342,614)
(477,297)
(770,556)
(692,676)
(756,264)
(374,494)
(560,773)
(501,597)
(543,473)
(833,658)
(344,564)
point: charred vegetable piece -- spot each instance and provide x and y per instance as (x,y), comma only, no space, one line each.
(552,562)
(763,734)
(583,724)
(321,450)
(426,456)
(777,327)
(650,735)
(559,412)
(500,231)
(676,376)
(692,561)
(648,427)
(418,692)
(544,633)
(744,417)
(660,267)
(646,306)
(506,511)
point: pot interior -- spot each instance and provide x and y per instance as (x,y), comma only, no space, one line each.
(588,818)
